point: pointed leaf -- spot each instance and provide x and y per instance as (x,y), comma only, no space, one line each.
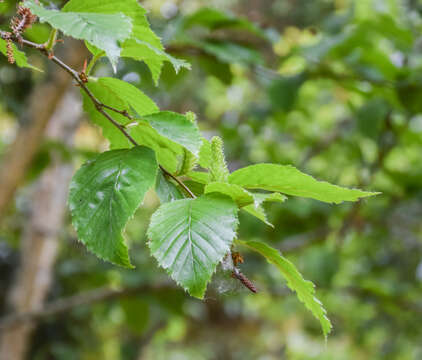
(289,180)
(258,212)
(190,237)
(304,289)
(104,194)
(104,31)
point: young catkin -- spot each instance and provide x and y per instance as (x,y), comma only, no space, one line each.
(9,52)
(218,167)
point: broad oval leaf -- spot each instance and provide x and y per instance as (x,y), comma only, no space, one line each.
(104,31)
(104,194)
(289,180)
(304,289)
(190,237)
(178,128)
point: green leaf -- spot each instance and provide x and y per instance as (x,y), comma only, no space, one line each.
(215,19)
(122,96)
(189,163)
(198,176)
(169,154)
(166,190)
(258,212)
(304,289)
(239,195)
(229,52)
(177,128)
(154,57)
(143,43)
(288,180)
(134,97)
(19,56)
(104,31)
(260,198)
(104,194)
(190,237)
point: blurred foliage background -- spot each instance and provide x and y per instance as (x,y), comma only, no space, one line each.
(332,87)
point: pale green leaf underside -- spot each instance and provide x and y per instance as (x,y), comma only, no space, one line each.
(304,289)
(190,237)
(104,31)
(104,194)
(260,198)
(289,180)
(176,127)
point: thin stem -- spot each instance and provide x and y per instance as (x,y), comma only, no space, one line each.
(121,112)
(98,104)
(49,45)
(93,62)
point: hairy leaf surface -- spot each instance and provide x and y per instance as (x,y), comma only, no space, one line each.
(304,289)
(104,194)
(190,237)
(289,180)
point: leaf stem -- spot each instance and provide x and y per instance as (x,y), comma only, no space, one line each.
(93,62)
(98,104)
(49,45)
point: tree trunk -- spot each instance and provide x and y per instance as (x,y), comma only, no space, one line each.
(42,105)
(39,244)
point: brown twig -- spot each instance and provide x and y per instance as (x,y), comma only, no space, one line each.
(65,305)
(98,104)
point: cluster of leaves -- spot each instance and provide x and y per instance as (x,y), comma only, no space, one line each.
(190,233)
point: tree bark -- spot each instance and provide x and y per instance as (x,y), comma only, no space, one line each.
(39,245)
(42,105)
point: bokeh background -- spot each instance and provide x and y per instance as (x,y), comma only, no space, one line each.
(332,87)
